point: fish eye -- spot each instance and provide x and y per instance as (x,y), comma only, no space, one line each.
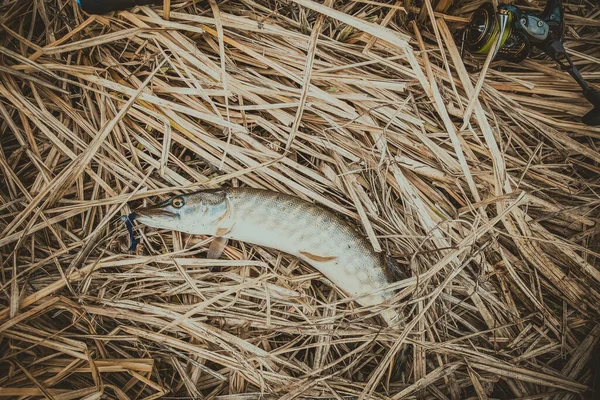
(178,202)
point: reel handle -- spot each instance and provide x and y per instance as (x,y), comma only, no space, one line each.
(554,14)
(592,118)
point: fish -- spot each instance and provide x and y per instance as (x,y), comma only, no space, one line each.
(286,223)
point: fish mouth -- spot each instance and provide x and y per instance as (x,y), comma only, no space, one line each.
(152,213)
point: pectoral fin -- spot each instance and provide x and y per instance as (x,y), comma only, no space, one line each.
(222,231)
(216,247)
(315,257)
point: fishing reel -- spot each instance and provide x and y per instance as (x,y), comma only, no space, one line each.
(520,35)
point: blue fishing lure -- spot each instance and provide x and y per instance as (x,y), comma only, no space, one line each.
(129,225)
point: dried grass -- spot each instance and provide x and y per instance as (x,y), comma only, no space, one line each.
(489,203)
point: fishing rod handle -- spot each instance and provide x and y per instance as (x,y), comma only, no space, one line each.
(106,6)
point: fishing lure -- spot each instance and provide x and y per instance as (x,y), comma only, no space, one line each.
(129,225)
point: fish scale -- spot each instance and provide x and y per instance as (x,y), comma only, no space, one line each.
(286,223)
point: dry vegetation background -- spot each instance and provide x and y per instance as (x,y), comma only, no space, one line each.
(489,203)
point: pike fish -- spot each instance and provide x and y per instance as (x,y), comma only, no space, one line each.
(285,223)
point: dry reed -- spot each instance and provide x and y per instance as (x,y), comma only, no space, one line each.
(489,203)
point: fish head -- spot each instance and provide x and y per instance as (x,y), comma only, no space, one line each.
(197,213)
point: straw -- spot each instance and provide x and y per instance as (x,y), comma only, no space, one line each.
(481,186)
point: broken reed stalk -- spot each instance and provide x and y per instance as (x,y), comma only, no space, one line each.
(493,226)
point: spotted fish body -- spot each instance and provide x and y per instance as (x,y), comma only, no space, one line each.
(286,223)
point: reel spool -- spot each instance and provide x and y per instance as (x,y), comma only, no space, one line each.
(483,29)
